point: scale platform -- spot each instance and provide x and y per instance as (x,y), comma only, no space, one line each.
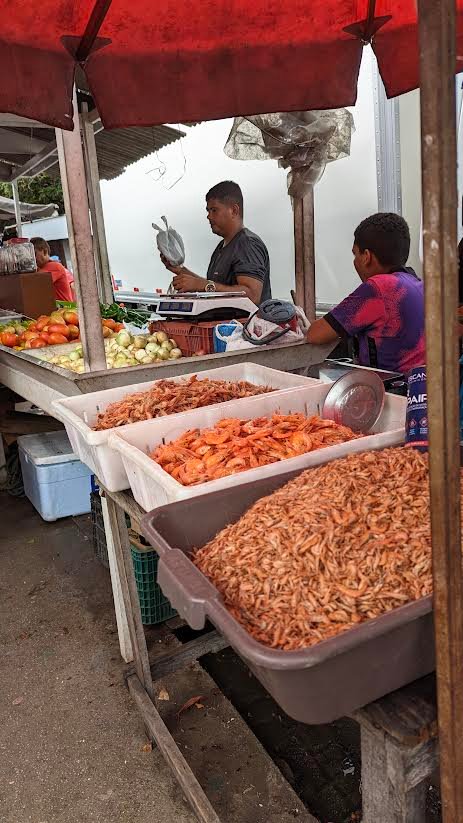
(198,306)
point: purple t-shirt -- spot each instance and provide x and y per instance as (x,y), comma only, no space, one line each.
(386,316)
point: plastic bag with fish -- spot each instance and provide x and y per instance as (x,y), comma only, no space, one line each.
(170,244)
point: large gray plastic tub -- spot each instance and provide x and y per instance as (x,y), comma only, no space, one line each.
(314,685)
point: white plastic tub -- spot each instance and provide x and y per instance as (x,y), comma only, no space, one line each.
(80,413)
(153,487)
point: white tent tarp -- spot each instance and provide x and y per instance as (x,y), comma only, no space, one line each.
(29,211)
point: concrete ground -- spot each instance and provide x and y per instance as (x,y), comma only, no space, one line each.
(71,742)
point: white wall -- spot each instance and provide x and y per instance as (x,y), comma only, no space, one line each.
(345,195)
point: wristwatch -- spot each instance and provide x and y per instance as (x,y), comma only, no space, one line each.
(210,286)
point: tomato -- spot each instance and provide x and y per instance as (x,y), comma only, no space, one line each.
(9,339)
(32,327)
(38,343)
(73,331)
(55,339)
(106,331)
(42,322)
(109,323)
(44,336)
(57,328)
(71,317)
(31,335)
(119,327)
(57,317)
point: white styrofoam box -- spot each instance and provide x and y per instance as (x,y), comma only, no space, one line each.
(55,481)
(80,413)
(153,487)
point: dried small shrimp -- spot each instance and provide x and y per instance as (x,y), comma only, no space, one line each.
(341,544)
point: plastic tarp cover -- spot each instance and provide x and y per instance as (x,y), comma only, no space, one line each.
(183,60)
(303,142)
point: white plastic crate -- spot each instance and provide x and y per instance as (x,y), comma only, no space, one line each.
(153,487)
(79,414)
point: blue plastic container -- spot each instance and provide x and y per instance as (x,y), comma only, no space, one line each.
(222,330)
(55,481)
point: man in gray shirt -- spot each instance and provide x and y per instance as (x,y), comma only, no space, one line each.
(240,262)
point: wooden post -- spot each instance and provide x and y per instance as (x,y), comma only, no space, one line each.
(304,253)
(96,208)
(437,31)
(72,169)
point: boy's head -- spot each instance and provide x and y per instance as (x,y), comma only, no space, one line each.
(42,251)
(381,245)
(224,206)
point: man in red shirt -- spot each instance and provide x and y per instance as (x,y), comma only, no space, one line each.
(60,275)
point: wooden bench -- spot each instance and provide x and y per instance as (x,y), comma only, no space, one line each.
(400,753)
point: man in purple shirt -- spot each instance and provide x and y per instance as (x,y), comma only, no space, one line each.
(385,315)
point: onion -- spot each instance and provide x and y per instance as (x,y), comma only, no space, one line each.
(123,339)
(139,342)
(175,354)
(140,354)
(162,336)
(152,348)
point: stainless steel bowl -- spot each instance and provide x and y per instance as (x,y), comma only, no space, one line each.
(355,400)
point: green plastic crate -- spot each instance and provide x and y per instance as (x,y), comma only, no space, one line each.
(155,607)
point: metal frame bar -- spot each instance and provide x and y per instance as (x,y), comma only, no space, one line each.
(387,140)
(437,33)
(17,207)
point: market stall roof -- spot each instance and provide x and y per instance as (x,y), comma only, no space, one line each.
(28,148)
(148,63)
(29,211)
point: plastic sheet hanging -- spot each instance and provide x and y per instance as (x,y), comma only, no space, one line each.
(301,141)
(17,258)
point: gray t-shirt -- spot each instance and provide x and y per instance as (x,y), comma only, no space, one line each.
(246,254)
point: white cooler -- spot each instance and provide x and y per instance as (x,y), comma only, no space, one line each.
(55,481)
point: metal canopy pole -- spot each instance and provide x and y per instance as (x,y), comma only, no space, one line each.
(96,207)
(17,207)
(437,31)
(304,253)
(72,168)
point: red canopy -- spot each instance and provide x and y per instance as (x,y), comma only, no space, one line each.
(180,60)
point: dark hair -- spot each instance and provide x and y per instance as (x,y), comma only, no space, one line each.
(227,192)
(40,244)
(387,236)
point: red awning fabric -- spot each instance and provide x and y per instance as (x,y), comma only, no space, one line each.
(183,60)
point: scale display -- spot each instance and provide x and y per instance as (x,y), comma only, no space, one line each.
(175,306)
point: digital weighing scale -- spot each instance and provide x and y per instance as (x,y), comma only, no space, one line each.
(199,306)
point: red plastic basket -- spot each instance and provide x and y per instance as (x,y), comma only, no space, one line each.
(191,338)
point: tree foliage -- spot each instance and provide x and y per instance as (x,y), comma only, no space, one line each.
(41,189)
